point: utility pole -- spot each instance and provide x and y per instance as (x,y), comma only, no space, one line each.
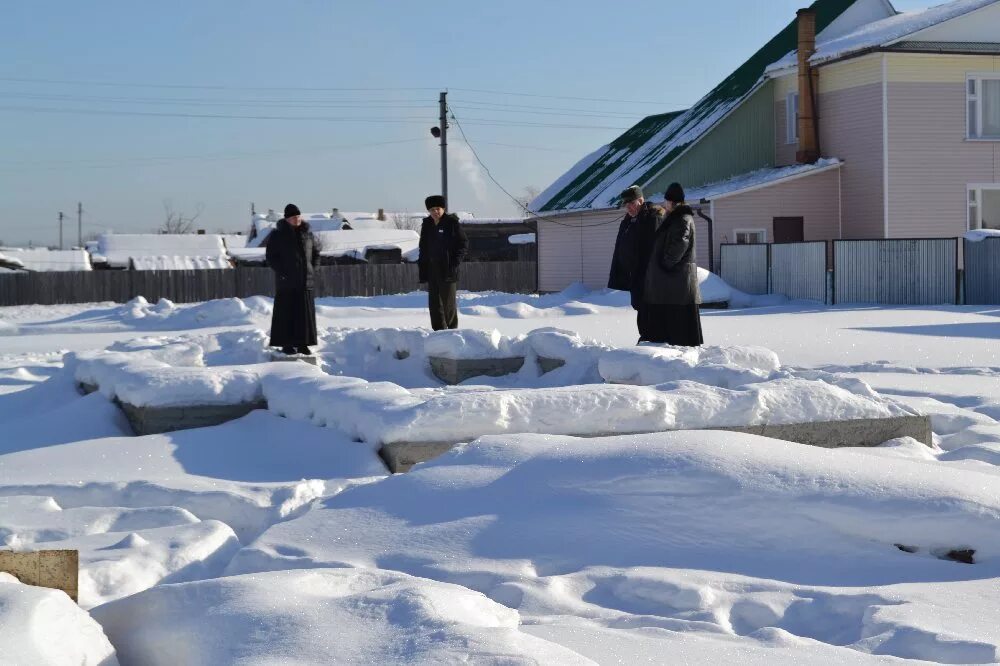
(444,145)
(79,224)
(61,216)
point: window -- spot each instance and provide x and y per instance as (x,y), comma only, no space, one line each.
(983,103)
(750,236)
(984,206)
(792,118)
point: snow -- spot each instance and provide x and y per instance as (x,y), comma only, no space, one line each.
(977,235)
(44,260)
(40,626)
(323,616)
(153,251)
(178,263)
(246,542)
(521,239)
(758,178)
(354,243)
(885,31)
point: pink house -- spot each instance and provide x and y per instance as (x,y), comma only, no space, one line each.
(855,121)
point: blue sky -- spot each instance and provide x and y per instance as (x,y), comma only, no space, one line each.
(101,102)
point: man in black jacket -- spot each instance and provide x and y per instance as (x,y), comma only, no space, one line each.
(443,245)
(293,255)
(632,250)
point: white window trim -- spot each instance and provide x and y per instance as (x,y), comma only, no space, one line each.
(762,232)
(977,97)
(791,118)
(978,189)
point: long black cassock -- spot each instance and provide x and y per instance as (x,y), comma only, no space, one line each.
(293,255)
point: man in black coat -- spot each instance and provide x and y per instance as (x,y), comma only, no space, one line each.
(443,246)
(632,248)
(293,255)
(671,295)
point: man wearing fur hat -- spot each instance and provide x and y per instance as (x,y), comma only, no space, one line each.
(443,246)
(293,255)
(632,250)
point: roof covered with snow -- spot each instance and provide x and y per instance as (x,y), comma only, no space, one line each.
(646,149)
(759,178)
(353,242)
(162,251)
(45,260)
(885,32)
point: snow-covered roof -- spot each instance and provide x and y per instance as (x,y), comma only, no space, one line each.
(234,240)
(353,242)
(493,220)
(885,32)
(178,263)
(645,150)
(45,260)
(521,239)
(123,250)
(757,179)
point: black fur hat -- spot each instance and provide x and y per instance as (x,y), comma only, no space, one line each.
(675,193)
(631,194)
(291,210)
(435,201)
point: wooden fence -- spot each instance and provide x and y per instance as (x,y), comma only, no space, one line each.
(204,285)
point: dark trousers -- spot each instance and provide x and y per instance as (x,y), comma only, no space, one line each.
(441,303)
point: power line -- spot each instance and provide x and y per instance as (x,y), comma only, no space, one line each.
(511,196)
(583,99)
(120,84)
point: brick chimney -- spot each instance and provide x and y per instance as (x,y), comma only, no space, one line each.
(808,88)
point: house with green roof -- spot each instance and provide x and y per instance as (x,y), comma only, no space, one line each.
(852,160)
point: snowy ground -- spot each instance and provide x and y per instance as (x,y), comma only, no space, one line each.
(250,541)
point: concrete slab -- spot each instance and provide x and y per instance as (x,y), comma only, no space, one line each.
(401,456)
(546,364)
(154,420)
(455,371)
(55,569)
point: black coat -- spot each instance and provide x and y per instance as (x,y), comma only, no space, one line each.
(293,255)
(632,249)
(443,247)
(672,273)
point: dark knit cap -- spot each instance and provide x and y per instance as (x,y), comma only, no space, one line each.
(291,210)
(434,201)
(675,193)
(632,193)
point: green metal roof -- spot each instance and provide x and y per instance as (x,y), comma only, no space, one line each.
(646,149)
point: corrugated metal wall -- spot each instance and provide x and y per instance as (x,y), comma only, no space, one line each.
(898,272)
(745,267)
(742,142)
(798,270)
(982,272)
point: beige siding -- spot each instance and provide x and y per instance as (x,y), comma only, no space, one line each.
(850,123)
(815,198)
(564,257)
(930,162)
(934,68)
(853,73)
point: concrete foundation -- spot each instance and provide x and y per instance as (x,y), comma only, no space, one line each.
(401,456)
(154,420)
(56,569)
(455,371)
(549,364)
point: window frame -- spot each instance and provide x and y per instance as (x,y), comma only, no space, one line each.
(974,199)
(761,231)
(792,118)
(974,80)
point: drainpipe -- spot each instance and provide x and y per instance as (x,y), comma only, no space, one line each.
(808,124)
(711,241)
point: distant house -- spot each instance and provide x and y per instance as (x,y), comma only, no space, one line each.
(158,252)
(887,125)
(44,260)
(349,246)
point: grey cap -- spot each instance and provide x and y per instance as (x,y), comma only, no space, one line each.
(632,193)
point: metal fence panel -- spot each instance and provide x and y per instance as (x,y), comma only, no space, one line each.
(982,272)
(745,267)
(798,270)
(920,271)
